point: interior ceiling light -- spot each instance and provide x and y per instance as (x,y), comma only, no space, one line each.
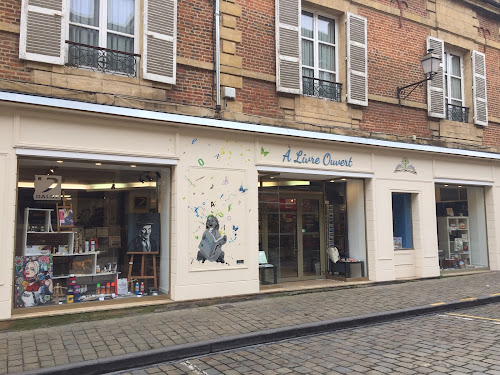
(332,181)
(342,179)
(133,165)
(60,161)
(98,163)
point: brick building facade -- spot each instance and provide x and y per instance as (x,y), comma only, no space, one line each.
(133,84)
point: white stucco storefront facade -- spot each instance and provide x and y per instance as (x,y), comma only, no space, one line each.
(212,167)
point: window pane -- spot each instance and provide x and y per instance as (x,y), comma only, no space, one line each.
(79,55)
(308,83)
(120,43)
(307,53)
(327,76)
(85,12)
(456,89)
(455,66)
(307,72)
(121,16)
(307,25)
(401,221)
(96,224)
(326,30)
(82,35)
(326,57)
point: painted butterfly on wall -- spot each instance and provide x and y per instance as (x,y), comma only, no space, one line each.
(263,152)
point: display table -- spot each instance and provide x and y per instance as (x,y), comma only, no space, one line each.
(346,268)
(262,268)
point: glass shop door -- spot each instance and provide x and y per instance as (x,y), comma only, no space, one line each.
(301,237)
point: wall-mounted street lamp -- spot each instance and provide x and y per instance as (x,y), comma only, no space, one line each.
(430,65)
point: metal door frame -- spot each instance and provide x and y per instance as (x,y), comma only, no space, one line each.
(300,196)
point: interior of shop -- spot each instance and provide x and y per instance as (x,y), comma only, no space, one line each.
(311,228)
(461,227)
(99,238)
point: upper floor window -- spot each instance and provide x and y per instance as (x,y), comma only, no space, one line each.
(102,35)
(454,88)
(319,56)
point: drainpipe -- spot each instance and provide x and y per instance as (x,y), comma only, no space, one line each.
(217,54)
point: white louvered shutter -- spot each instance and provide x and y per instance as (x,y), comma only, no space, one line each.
(160,40)
(479,88)
(435,87)
(42,31)
(288,65)
(357,60)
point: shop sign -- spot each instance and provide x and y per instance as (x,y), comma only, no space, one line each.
(47,188)
(326,159)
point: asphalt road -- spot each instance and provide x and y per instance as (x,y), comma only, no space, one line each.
(460,342)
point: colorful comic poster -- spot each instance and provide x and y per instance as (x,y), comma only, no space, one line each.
(33,280)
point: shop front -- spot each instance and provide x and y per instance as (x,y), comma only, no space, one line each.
(312,212)
(88,231)
(103,208)
(311,229)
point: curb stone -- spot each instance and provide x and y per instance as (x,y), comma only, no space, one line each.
(179,352)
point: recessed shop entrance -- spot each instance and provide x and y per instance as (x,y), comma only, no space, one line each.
(310,228)
(293,235)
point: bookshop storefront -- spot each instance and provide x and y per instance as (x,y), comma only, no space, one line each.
(103,208)
(312,213)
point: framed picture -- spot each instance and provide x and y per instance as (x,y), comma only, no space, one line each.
(398,242)
(65,217)
(143,232)
(449,211)
(33,280)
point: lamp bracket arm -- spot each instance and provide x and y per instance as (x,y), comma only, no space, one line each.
(402,90)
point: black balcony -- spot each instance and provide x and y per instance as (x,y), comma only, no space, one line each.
(320,88)
(103,60)
(457,113)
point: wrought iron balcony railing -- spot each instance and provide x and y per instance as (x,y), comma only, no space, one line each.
(457,113)
(321,88)
(103,60)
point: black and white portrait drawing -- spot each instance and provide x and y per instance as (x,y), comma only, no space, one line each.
(144,232)
(211,243)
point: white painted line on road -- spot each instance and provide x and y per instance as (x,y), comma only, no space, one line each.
(194,368)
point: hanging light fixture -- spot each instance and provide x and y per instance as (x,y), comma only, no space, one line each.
(430,65)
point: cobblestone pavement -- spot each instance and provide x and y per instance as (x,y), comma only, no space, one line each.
(434,344)
(48,347)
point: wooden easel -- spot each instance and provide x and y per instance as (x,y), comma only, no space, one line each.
(143,262)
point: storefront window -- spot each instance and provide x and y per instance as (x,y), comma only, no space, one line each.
(86,232)
(461,227)
(401,221)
